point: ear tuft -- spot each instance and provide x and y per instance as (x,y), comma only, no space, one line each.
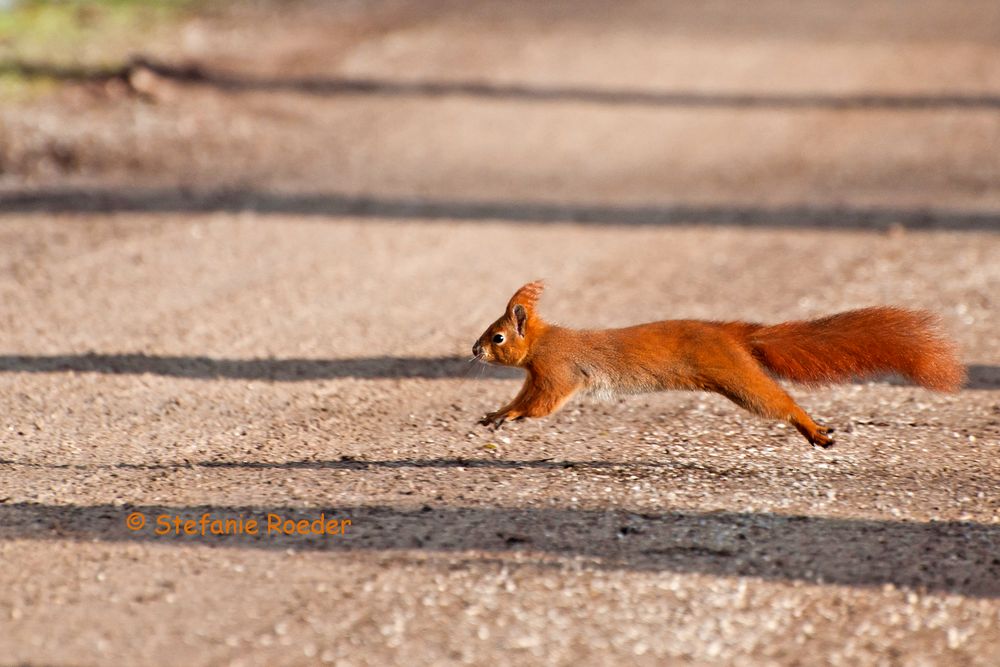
(520,318)
(527,296)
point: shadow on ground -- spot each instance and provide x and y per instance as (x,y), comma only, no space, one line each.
(178,200)
(277,370)
(980,376)
(331,86)
(952,557)
(349,463)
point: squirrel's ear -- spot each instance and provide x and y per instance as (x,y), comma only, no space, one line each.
(527,296)
(520,318)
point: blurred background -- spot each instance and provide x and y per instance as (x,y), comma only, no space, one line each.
(815,113)
(245,249)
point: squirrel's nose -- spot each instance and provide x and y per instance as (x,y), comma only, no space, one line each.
(477,349)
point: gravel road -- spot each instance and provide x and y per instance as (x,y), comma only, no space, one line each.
(246,284)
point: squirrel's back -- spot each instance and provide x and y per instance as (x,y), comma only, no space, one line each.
(850,345)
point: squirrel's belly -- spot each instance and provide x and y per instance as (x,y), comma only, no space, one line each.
(606,386)
(601,392)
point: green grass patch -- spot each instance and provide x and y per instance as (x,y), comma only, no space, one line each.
(43,43)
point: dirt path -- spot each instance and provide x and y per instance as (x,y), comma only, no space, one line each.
(251,290)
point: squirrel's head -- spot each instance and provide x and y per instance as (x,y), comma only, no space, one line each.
(506,341)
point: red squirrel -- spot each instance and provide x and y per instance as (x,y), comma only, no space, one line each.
(736,359)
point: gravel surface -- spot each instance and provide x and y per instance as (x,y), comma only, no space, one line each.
(250,288)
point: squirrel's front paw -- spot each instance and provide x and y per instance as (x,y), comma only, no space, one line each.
(494,419)
(821,437)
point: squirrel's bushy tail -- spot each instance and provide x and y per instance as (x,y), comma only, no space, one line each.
(857,344)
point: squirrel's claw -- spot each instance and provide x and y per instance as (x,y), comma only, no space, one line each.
(822,437)
(494,420)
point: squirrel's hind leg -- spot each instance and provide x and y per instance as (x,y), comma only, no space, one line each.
(754,390)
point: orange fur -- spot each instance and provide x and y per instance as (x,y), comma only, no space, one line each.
(735,359)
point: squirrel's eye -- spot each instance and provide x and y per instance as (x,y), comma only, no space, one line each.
(498,339)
